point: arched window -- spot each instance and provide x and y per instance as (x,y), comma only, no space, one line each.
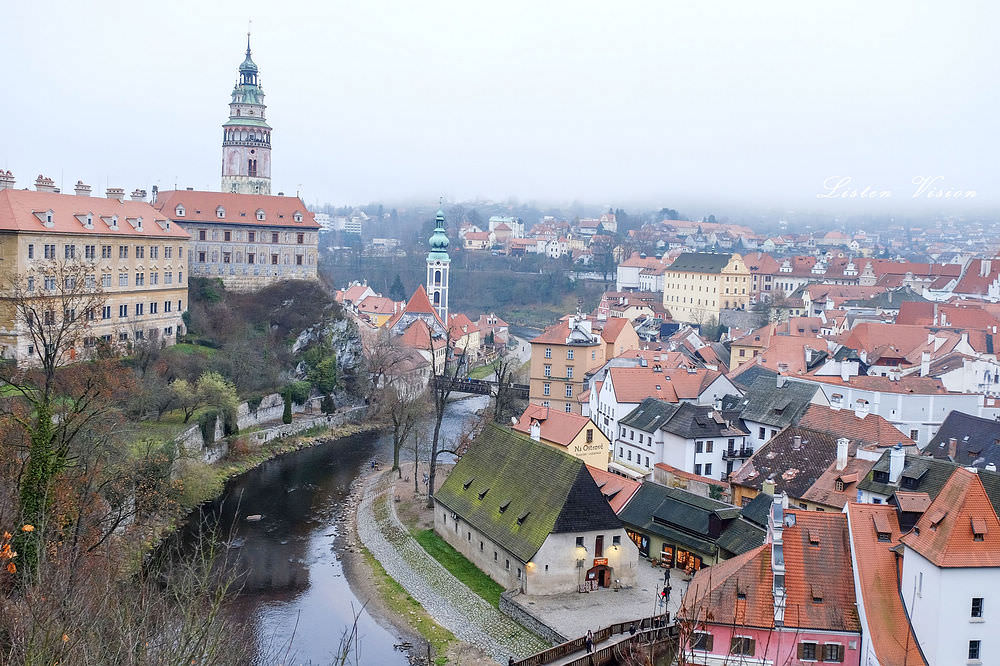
(437,298)
(437,277)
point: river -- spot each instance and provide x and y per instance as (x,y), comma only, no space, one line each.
(295,592)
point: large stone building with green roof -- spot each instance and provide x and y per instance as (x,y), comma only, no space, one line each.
(532,517)
(246,136)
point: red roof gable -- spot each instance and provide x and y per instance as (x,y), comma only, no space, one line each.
(200,206)
(946,533)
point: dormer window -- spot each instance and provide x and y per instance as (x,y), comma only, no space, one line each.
(978,529)
(220,212)
(90,221)
(180,211)
(260,215)
(297,216)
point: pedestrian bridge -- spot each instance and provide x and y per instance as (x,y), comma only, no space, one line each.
(477,386)
(611,645)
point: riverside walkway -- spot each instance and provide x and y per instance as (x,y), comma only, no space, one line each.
(453,605)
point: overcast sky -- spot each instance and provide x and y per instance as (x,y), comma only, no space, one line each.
(611,103)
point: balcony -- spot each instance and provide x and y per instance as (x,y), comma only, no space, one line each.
(737,454)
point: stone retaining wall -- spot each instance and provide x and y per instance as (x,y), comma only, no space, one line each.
(524,617)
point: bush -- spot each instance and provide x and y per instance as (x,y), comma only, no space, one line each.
(229,423)
(199,483)
(239,447)
(298,392)
(207,424)
(327,405)
(286,416)
(254,400)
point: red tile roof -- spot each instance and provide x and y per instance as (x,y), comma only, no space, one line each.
(905,384)
(378,305)
(823,569)
(417,335)
(613,328)
(637,384)
(556,426)
(200,206)
(691,477)
(888,625)
(872,429)
(944,533)
(617,489)
(26,210)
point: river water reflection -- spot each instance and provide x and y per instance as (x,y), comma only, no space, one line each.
(294,581)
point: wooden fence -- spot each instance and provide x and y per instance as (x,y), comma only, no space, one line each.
(647,628)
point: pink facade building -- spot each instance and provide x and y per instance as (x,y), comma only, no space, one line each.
(790,601)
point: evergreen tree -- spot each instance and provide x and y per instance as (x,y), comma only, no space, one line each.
(396,291)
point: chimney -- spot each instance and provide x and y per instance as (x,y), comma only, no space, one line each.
(990,467)
(138,195)
(842,453)
(775,526)
(952,448)
(115,193)
(536,430)
(43,184)
(767,487)
(896,460)
(81,189)
(780,381)
(845,372)
(935,314)
(717,404)
(925,363)
(6,180)
(985,266)
(861,408)
(796,443)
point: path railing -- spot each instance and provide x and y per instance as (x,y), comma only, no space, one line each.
(645,627)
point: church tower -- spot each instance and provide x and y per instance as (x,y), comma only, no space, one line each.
(437,269)
(246,138)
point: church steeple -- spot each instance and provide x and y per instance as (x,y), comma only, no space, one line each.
(438,264)
(246,137)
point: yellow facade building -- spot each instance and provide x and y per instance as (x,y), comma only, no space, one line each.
(570,433)
(121,262)
(698,286)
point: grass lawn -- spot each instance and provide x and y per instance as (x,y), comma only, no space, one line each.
(483,371)
(188,348)
(461,568)
(402,604)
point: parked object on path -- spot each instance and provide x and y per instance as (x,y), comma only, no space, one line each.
(254,518)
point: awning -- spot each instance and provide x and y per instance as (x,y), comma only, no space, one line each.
(630,472)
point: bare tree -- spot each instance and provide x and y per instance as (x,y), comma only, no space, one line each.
(440,392)
(392,390)
(507,367)
(54,306)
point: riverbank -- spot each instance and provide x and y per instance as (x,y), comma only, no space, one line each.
(468,616)
(389,602)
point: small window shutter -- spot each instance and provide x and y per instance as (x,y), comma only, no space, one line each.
(840,653)
(801,650)
(753,647)
(709,642)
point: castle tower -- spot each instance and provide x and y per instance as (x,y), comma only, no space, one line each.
(246,138)
(437,269)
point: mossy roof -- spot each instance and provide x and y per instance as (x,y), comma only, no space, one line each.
(517,491)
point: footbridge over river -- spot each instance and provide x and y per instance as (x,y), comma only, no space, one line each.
(477,386)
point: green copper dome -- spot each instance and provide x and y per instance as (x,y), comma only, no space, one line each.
(248,64)
(439,240)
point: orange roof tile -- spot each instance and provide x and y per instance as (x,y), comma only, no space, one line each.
(944,534)
(689,476)
(887,623)
(417,335)
(556,426)
(25,210)
(200,206)
(912,502)
(872,429)
(617,489)
(823,567)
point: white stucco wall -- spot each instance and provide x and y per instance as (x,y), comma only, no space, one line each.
(939,602)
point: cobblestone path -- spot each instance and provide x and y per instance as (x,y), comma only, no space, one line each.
(452,604)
